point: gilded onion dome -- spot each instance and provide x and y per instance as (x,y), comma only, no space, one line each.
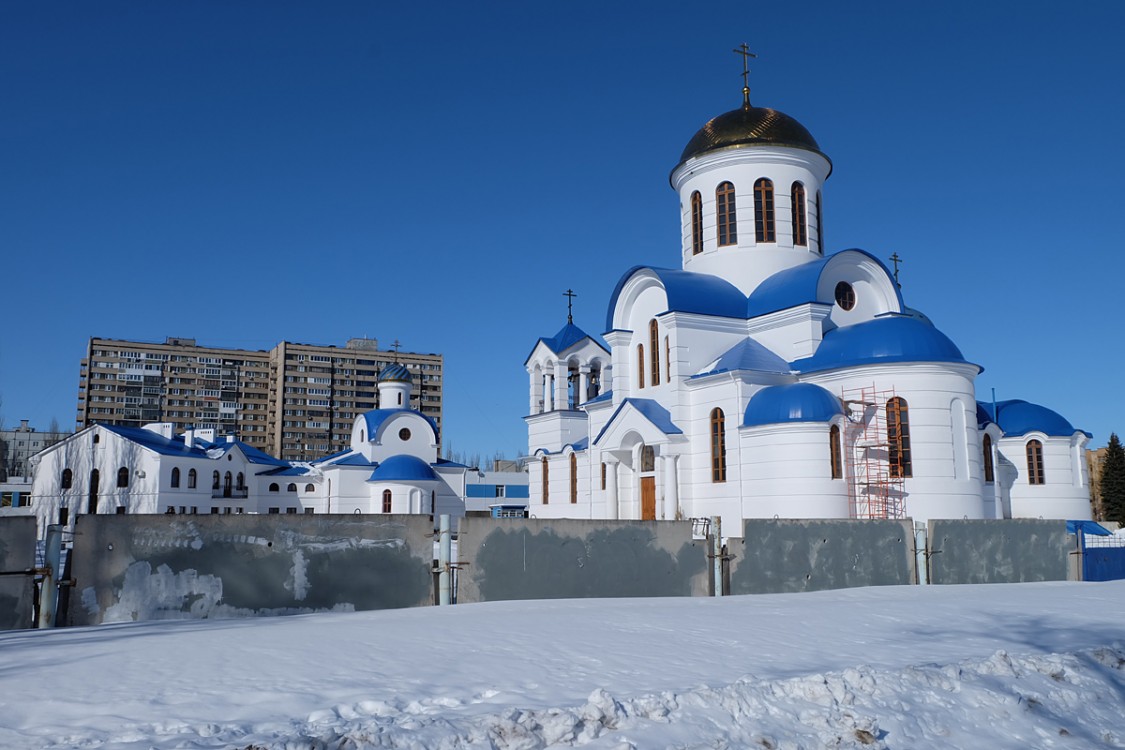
(750,126)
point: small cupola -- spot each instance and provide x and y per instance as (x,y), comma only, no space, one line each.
(395,384)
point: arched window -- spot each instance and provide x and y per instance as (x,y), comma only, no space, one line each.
(227,481)
(191,477)
(386,501)
(1034,462)
(603,476)
(819,225)
(989,471)
(310,488)
(696,223)
(97,438)
(640,365)
(291,487)
(718,446)
(724,212)
(546,479)
(573,479)
(123,477)
(654,346)
(214,480)
(800,226)
(764,230)
(362,436)
(67,479)
(835,453)
(240,482)
(95,482)
(898,438)
(274,487)
(175,476)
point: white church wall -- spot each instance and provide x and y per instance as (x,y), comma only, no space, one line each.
(1064,493)
(932,491)
(875,292)
(405,433)
(788,472)
(791,334)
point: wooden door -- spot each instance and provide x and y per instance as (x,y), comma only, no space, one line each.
(648,498)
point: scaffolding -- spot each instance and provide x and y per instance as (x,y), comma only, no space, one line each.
(875,490)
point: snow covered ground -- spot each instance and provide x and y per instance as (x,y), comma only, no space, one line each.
(1002,666)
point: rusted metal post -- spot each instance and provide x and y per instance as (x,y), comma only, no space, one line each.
(445,552)
(717,553)
(49,593)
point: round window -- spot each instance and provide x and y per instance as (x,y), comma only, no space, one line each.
(404,434)
(845,295)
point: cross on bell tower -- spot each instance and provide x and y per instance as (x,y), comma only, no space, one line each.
(570,295)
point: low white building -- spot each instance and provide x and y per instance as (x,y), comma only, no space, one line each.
(391,467)
(766,379)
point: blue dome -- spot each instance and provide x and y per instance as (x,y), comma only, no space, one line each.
(403,469)
(395,373)
(1019,418)
(796,402)
(894,338)
(690,292)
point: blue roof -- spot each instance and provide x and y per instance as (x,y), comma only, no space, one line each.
(651,410)
(286,471)
(1089,528)
(793,402)
(603,396)
(376,417)
(798,286)
(403,469)
(1020,417)
(748,354)
(568,336)
(155,441)
(889,338)
(395,373)
(688,292)
(253,455)
(346,458)
(446,463)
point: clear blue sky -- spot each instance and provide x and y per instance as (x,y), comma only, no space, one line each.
(439,173)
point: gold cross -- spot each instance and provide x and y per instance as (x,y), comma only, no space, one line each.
(744,50)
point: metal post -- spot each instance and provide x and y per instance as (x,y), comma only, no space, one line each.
(717,553)
(445,552)
(48,594)
(921,561)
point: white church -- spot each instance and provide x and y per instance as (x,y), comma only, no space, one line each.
(765,379)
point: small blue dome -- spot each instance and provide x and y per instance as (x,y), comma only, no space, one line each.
(796,402)
(894,338)
(403,469)
(395,373)
(1020,417)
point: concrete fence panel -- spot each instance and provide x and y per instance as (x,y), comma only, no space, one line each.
(17,554)
(791,555)
(141,567)
(505,559)
(999,551)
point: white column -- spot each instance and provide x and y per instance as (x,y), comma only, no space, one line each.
(548,392)
(560,385)
(534,387)
(583,384)
(611,488)
(671,488)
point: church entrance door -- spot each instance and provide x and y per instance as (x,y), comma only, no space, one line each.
(648,498)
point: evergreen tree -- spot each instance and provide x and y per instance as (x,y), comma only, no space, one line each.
(1112,483)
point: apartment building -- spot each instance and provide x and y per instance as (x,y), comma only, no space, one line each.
(295,401)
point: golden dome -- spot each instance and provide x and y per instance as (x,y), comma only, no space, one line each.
(750,126)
